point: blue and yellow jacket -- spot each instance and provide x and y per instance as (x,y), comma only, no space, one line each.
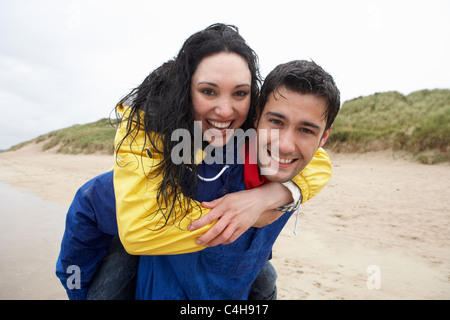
(223,272)
(136,197)
(91,223)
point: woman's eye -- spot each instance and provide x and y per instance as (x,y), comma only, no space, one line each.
(208,92)
(241,94)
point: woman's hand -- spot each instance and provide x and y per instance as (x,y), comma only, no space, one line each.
(239,211)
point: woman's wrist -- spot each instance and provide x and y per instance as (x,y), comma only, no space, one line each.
(296,196)
(274,195)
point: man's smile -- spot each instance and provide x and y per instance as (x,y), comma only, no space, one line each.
(286,161)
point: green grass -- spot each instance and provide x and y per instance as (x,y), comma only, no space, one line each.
(96,137)
(418,123)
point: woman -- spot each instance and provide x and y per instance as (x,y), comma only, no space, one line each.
(173,111)
(213,80)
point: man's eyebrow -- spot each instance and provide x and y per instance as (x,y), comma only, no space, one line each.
(275,114)
(282,116)
(310,124)
(216,85)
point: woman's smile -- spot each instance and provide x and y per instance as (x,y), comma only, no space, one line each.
(220,125)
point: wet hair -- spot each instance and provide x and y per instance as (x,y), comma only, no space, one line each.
(164,98)
(305,77)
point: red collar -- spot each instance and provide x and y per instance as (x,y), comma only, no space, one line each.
(252,178)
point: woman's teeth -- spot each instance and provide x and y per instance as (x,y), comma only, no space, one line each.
(281,160)
(220,125)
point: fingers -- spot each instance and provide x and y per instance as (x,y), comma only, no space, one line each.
(231,221)
(227,237)
(203,221)
(224,232)
(210,204)
(208,218)
(219,233)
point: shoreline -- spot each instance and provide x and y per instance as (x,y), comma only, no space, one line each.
(378,211)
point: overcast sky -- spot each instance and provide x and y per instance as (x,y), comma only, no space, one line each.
(65,62)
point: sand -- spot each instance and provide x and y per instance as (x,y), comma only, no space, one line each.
(379,229)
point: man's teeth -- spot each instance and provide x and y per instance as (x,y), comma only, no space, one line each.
(220,125)
(281,160)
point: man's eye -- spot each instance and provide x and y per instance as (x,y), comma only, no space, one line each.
(307,131)
(276,122)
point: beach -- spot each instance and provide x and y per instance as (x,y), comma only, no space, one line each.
(380,229)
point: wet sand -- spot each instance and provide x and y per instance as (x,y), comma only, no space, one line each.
(30,230)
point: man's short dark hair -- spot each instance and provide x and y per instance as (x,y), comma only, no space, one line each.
(305,77)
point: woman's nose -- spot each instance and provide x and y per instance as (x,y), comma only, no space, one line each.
(224,108)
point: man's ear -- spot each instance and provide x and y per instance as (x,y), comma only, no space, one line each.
(324,138)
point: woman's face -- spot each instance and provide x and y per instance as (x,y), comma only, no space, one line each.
(221,92)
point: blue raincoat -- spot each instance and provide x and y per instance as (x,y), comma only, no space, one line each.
(220,272)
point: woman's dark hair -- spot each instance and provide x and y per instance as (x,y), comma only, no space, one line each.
(164,99)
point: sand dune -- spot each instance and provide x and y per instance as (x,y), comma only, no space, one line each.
(379,230)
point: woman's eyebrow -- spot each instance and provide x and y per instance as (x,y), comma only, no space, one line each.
(208,83)
(216,85)
(243,85)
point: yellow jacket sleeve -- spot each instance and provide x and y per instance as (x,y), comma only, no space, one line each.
(136,182)
(314,176)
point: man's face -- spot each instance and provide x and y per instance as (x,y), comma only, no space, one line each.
(290,130)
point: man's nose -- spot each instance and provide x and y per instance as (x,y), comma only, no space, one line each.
(286,142)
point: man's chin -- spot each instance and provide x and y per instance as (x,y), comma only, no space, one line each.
(278,177)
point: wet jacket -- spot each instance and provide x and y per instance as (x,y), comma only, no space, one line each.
(220,272)
(91,219)
(136,197)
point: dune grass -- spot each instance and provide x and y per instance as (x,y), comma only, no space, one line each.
(95,137)
(418,123)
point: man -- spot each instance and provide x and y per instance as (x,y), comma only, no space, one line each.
(299,101)
(283,101)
